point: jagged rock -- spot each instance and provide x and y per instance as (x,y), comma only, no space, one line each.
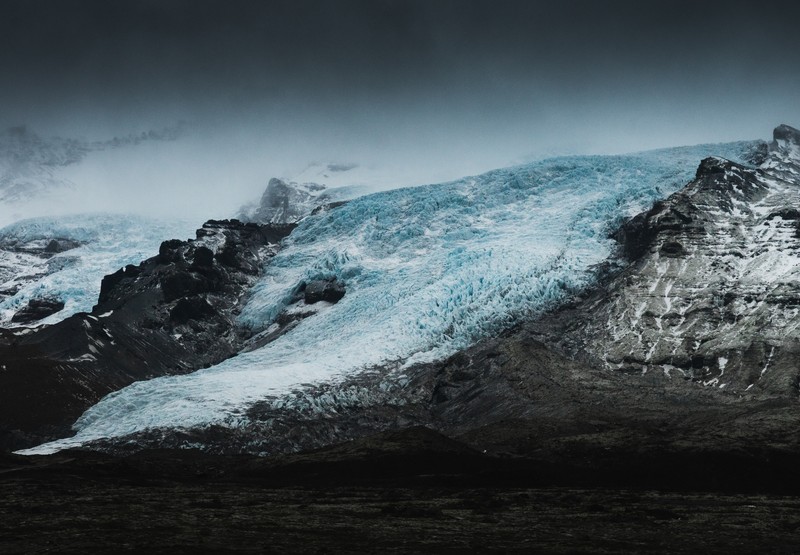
(61,245)
(787,134)
(132,333)
(330,291)
(203,257)
(713,166)
(190,308)
(38,309)
(181,283)
(286,202)
(110,281)
(169,251)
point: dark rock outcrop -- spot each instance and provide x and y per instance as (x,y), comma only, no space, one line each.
(172,314)
(190,308)
(331,291)
(38,309)
(61,245)
(787,134)
(286,202)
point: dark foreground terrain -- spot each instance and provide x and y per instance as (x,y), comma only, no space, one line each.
(657,412)
(409,491)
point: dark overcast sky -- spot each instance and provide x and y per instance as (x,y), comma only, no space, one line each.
(476,84)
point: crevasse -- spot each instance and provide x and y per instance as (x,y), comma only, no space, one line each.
(428,270)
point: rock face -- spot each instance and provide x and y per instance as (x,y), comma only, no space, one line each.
(37,309)
(286,202)
(173,313)
(713,290)
(330,291)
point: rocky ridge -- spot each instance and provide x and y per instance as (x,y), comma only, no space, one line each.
(285,202)
(712,292)
(171,314)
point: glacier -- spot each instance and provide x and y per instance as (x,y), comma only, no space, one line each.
(110,241)
(428,270)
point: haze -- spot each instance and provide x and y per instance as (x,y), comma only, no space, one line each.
(411,91)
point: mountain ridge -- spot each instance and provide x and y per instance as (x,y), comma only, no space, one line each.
(712,290)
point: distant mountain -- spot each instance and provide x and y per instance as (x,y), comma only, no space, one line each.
(285,202)
(675,360)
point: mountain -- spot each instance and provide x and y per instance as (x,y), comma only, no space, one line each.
(605,341)
(712,292)
(285,203)
(288,202)
(584,385)
(419,275)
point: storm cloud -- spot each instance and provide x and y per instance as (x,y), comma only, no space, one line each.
(422,90)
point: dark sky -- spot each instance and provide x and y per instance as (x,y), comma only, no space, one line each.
(450,87)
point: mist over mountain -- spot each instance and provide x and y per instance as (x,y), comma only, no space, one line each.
(416,91)
(34,169)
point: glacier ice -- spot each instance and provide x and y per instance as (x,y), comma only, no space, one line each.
(428,270)
(111,242)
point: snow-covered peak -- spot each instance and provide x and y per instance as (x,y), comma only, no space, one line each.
(712,292)
(785,146)
(285,202)
(787,134)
